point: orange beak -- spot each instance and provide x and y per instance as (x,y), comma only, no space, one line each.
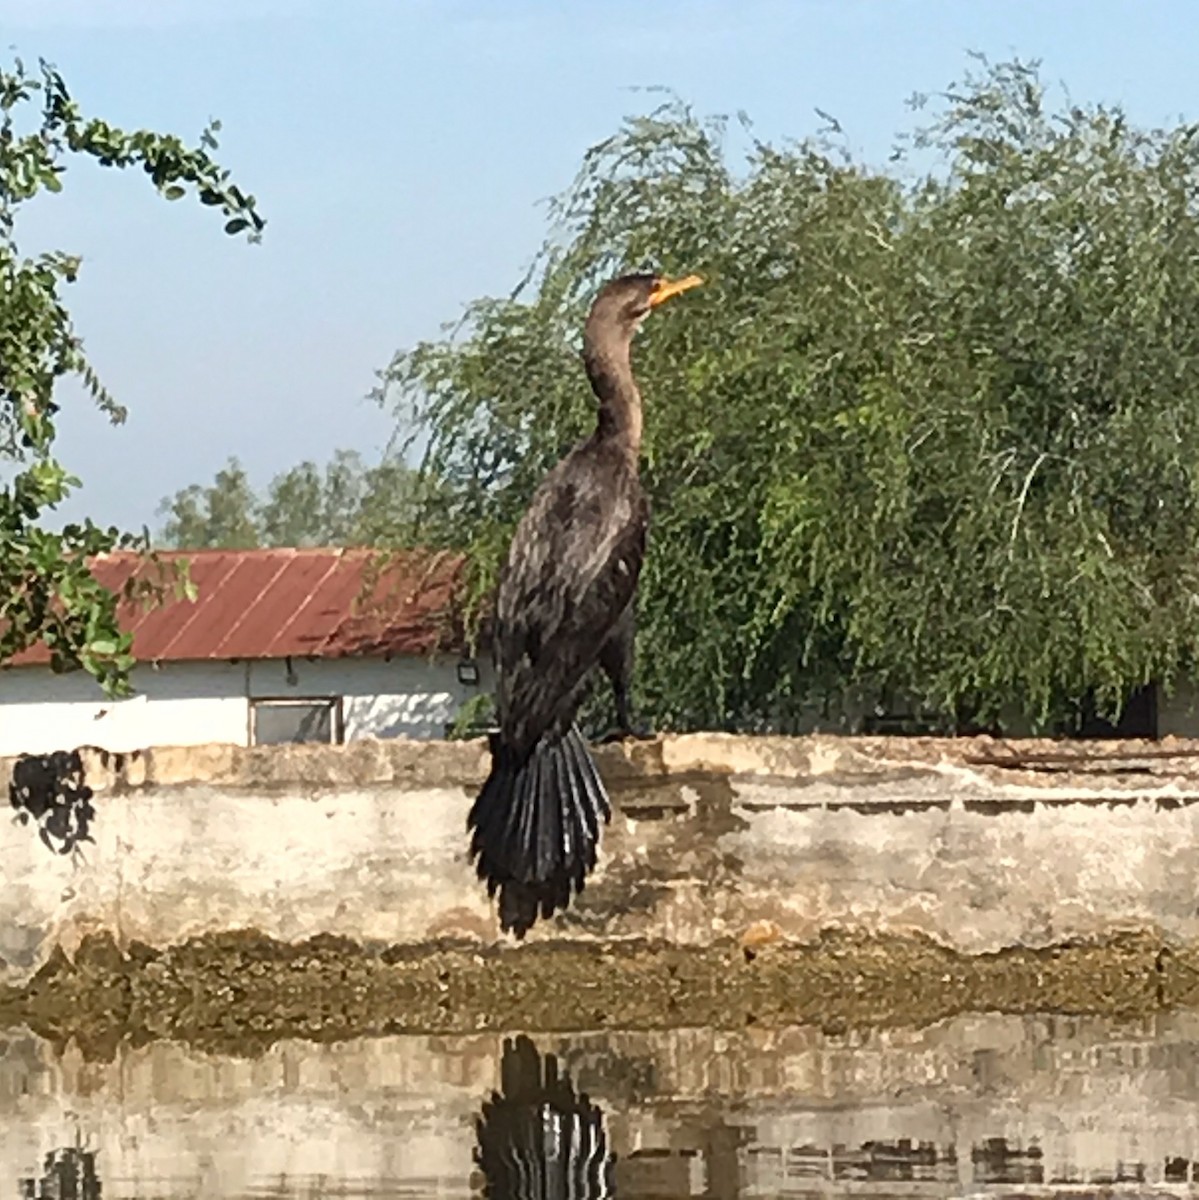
(666,288)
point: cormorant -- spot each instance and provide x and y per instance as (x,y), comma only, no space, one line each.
(564,606)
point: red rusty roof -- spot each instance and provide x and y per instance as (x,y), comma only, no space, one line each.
(324,603)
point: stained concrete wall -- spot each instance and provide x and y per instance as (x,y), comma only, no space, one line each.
(687,1112)
(713,838)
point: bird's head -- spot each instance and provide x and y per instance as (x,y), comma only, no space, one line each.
(624,303)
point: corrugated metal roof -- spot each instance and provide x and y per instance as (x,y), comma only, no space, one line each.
(326,603)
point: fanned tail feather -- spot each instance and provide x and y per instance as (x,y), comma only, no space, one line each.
(536,826)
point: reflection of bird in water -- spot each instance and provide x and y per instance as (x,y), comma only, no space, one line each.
(565,606)
(70,1174)
(537,1138)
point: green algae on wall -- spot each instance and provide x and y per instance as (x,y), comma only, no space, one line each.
(239,992)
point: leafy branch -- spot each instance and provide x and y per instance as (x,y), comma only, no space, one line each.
(47,592)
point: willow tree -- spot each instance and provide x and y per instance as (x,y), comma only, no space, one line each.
(46,590)
(930,429)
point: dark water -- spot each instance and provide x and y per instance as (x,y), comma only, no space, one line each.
(987,1105)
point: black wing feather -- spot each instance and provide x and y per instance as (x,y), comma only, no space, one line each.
(572,571)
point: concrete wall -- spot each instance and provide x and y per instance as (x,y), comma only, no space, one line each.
(688,1112)
(195,703)
(713,838)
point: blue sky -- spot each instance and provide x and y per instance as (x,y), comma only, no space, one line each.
(400,151)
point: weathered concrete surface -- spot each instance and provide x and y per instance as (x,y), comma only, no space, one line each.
(963,1107)
(716,842)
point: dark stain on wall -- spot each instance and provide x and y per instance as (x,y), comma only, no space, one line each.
(51,790)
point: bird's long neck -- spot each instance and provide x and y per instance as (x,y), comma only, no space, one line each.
(606,359)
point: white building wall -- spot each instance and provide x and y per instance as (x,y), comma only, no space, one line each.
(407,697)
(180,704)
(194,703)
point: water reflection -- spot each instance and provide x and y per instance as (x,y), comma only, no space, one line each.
(538,1138)
(69,1174)
(1002,1106)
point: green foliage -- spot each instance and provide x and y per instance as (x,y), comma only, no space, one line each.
(474,718)
(346,504)
(46,590)
(930,430)
(219,517)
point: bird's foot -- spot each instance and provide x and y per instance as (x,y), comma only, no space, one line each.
(625,734)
